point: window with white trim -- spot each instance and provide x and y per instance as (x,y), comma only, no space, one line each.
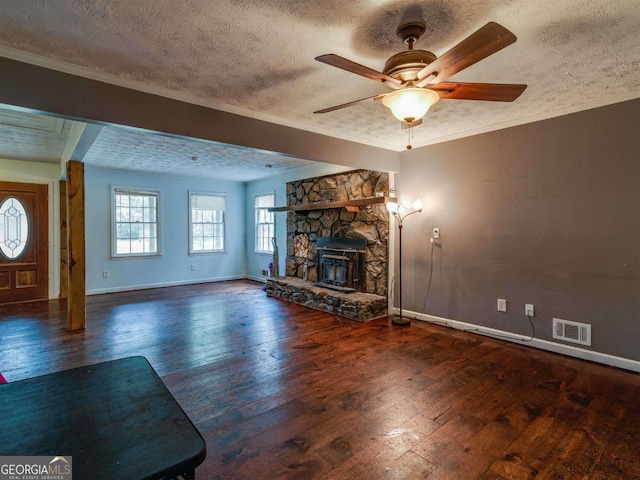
(206,222)
(265,222)
(135,222)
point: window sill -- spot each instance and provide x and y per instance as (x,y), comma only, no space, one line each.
(214,252)
(136,256)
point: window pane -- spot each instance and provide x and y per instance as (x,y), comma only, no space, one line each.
(123,246)
(124,214)
(207,222)
(135,223)
(265,200)
(136,215)
(150,245)
(265,222)
(137,246)
(124,230)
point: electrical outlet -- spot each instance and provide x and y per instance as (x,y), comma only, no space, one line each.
(436,232)
(528,309)
(105,274)
(193,267)
(502,305)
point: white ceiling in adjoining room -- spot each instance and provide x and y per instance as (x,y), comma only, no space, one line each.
(32,137)
(127,149)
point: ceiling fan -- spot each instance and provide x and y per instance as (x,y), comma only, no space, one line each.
(417,77)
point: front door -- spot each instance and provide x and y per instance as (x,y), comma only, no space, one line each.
(23,242)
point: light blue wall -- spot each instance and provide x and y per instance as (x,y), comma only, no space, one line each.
(174,266)
(260,261)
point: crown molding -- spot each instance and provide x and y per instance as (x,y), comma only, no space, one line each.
(532,119)
(79,71)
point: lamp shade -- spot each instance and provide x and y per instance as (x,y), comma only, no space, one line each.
(410,104)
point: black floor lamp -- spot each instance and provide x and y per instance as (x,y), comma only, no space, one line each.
(400,213)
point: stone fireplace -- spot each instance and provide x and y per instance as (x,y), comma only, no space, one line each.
(368,224)
(337,245)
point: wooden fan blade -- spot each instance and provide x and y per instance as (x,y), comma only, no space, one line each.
(492,92)
(344,105)
(353,67)
(488,40)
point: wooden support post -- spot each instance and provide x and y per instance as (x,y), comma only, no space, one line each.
(76,303)
(64,242)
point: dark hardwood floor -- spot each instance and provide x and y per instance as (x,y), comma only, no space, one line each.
(279,391)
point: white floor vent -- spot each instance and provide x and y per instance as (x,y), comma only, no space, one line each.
(572,331)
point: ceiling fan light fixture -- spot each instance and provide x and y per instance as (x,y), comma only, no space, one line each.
(410,104)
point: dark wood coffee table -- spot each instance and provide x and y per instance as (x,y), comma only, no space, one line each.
(116,419)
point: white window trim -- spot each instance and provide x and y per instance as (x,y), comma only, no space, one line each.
(255,223)
(136,190)
(190,226)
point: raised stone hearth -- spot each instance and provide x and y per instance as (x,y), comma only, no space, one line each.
(356,305)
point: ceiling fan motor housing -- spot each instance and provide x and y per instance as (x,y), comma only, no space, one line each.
(406,65)
(411,32)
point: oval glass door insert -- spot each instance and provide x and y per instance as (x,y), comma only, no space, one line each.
(14,228)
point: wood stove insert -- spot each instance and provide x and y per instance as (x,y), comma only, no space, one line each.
(340,263)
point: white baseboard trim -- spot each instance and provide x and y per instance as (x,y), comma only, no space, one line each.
(569,350)
(255,278)
(129,288)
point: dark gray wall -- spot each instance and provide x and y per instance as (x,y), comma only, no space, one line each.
(545,213)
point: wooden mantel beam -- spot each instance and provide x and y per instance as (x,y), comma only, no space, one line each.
(348,204)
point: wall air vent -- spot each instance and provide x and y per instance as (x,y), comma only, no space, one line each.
(572,331)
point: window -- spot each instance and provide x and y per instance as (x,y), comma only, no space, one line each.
(14,228)
(135,223)
(265,226)
(206,223)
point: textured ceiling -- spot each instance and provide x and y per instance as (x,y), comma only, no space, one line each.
(257,56)
(132,150)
